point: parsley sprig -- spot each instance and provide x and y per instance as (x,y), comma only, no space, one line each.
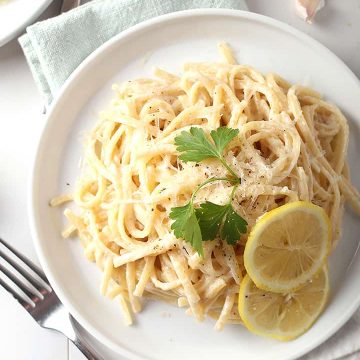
(195,146)
(210,220)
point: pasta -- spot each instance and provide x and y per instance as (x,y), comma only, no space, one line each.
(291,146)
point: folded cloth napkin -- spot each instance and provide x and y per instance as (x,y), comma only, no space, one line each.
(55,47)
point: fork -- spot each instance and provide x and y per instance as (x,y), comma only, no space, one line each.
(69,4)
(39,299)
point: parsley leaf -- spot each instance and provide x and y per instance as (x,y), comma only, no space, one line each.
(186,226)
(222,136)
(210,217)
(234,225)
(215,218)
(195,146)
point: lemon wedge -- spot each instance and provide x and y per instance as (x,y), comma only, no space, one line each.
(287,246)
(283,316)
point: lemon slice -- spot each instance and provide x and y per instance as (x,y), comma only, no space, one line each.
(287,246)
(283,316)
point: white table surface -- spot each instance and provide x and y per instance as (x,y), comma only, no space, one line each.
(337,26)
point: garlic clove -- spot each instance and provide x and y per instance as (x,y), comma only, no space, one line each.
(307,9)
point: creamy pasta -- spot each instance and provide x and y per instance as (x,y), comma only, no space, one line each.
(291,146)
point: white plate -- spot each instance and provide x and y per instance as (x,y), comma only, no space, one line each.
(15,15)
(162,332)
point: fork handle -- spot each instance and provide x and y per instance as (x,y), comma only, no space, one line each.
(85,349)
(81,343)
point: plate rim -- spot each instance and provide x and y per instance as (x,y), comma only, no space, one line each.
(15,31)
(115,347)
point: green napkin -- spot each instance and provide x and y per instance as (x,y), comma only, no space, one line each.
(55,47)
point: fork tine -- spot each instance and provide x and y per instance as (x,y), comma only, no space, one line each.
(24,288)
(34,282)
(29,263)
(19,298)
